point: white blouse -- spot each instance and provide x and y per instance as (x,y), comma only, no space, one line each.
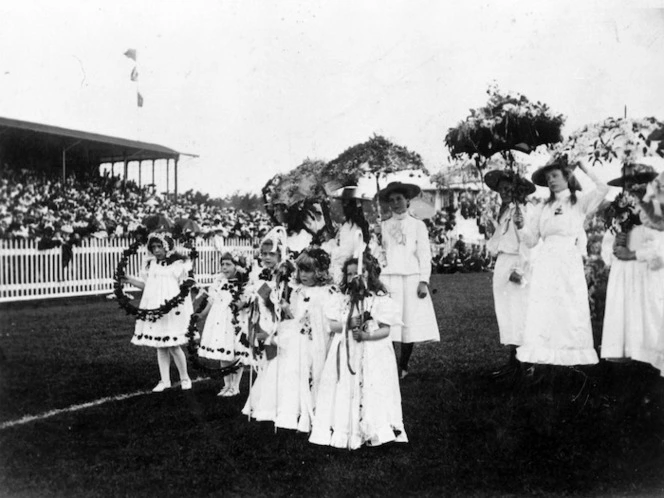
(406,245)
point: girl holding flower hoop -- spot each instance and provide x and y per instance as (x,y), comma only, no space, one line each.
(224,336)
(160,278)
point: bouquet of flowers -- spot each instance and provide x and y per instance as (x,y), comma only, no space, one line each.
(622,214)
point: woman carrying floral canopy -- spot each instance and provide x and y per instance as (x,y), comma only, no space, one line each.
(558,329)
(512,269)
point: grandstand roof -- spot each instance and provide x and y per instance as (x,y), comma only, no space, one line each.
(80,146)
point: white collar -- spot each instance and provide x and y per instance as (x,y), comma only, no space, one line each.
(401,216)
(562,195)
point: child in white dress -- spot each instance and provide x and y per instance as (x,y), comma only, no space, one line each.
(303,341)
(269,291)
(160,280)
(359,401)
(224,336)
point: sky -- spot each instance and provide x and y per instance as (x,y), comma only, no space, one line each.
(255,87)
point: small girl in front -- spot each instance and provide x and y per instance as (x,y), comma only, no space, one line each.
(160,280)
(304,340)
(224,336)
(359,402)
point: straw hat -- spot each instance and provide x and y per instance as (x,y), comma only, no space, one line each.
(409,190)
(636,173)
(493,178)
(348,193)
(556,162)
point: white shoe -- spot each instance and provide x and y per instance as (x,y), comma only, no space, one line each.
(161,387)
(185,384)
(231,392)
(223,391)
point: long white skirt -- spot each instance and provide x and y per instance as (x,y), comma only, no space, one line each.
(416,313)
(360,408)
(510,299)
(634,316)
(558,329)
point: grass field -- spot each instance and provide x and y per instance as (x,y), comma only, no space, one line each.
(593,432)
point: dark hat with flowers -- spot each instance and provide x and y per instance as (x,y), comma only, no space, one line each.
(634,173)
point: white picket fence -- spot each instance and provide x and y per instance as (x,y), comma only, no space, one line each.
(27,273)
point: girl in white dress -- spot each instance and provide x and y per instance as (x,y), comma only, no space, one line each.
(224,336)
(269,294)
(634,316)
(303,341)
(359,401)
(160,279)
(558,329)
(405,242)
(512,269)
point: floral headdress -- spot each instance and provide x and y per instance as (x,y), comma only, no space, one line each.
(164,238)
(277,239)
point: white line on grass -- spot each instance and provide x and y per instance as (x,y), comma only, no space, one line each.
(75,408)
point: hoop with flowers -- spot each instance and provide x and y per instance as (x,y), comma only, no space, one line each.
(153,314)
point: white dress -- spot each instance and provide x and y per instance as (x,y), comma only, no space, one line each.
(510,298)
(224,335)
(407,252)
(261,403)
(162,282)
(364,407)
(304,341)
(558,329)
(634,316)
(286,389)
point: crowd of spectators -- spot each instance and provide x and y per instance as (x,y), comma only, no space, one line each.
(34,205)
(463,258)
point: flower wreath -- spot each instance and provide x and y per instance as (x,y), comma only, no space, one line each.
(151,315)
(192,346)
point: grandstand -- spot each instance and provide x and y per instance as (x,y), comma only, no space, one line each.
(46,148)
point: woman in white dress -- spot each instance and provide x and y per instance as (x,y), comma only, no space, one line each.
(634,316)
(558,329)
(512,269)
(405,241)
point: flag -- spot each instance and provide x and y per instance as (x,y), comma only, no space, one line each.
(139,99)
(131,53)
(134,74)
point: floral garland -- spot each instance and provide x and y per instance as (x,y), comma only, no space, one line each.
(192,346)
(151,315)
